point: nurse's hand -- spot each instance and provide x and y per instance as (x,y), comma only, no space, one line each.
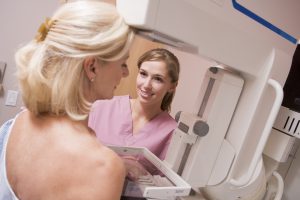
(134,168)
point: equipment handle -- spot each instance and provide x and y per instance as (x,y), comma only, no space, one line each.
(265,135)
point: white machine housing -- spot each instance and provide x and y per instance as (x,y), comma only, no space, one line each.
(219,95)
(223,31)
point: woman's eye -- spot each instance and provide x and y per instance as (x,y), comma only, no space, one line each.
(159,79)
(124,65)
(143,73)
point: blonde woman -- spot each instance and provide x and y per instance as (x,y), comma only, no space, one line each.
(48,151)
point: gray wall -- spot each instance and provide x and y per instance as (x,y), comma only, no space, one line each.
(19,21)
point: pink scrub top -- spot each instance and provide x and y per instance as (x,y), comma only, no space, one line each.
(112,122)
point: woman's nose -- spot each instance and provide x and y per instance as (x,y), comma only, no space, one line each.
(147,83)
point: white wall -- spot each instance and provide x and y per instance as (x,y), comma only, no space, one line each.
(19,21)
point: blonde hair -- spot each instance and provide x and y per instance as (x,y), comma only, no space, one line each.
(173,68)
(50,70)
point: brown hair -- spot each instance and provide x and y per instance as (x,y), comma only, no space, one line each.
(172,65)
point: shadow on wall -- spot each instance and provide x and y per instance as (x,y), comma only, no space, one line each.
(2,72)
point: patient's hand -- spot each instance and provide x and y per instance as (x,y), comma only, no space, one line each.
(134,168)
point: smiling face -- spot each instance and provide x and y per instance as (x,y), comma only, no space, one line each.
(153,82)
(167,66)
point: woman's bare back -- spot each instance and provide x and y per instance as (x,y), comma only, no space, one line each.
(56,158)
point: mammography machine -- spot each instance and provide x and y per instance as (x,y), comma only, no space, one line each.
(218,150)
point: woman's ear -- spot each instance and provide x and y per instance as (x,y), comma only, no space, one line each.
(89,68)
(173,87)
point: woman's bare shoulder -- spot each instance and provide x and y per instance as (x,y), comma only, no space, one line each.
(95,170)
(69,163)
(103,174)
